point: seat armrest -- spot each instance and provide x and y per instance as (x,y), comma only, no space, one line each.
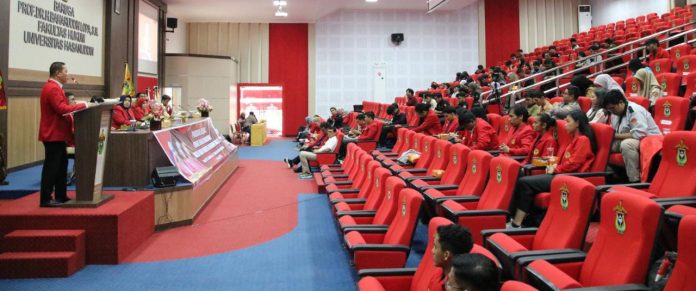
(424,178)
(518,255)
(341,183)
(439,187)
(555,258)
(528,168)
(357,213)
(625,287)
(510,232)
(518,158)
(368,228)
(671,201)
(339,176)
(495,152)
(381,247)
(417,170)
(349,200)
(387,272)
(466,198)
(586,174)
(346,191)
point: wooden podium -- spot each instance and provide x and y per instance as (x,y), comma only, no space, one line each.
(92,129)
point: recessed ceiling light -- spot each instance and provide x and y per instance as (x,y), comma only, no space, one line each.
(281,13)
(280,3)
(370,1)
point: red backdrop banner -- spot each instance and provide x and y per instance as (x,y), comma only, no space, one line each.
(146,83)
(289,66)
(502,29)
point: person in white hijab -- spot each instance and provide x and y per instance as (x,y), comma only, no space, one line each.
(607,83)
(649,86)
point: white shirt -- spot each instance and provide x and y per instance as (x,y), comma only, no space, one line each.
(329,146)
(57,82)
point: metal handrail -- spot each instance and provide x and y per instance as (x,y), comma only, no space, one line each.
(557,68)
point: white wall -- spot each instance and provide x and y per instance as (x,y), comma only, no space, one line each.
(178,40)
(608,11)
(349,43)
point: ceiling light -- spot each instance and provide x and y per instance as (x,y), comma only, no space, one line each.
(280,3)
(370,1)
(281,13)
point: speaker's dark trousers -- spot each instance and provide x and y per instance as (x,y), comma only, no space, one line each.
(55,171)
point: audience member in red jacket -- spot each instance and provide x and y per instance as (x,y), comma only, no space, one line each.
(55,131)
(141,108)
(476,133)
(520,136)
(430,123)
(577,156)
(450,240)
(122,114)
(655,52)
(411,100)
(369,131)
(451,121)
(545,144)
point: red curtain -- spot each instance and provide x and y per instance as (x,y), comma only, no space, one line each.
(289,66)
(502,29)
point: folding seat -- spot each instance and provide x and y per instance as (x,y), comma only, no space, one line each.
(494,120)
(504,127)
(386,247)
(353,154)
(682,277)
(456,167)
(399,279)
(404,140)
(354,179)
(415,143)
(453,102)
(670,83)
(369,200)
(671,113)
(690,86)
(350,189)
(678,51)
(411,116)
(474,182)
(685,65)
(384,214)
(555,100)
(490,210)
(516,286)
(426,157)
(620,255)
(563,227)
(660,66)
(642,101)
(439,153)
(585,103)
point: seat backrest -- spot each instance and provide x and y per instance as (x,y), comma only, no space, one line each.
(361,171)
(366,186)
(642,101)
(660,66)
(380,126)
(410,136)
(417,142)
(585,103)
(516,286)
(456,167)
(673,177)
(682,277)
(502,178)
(686,64)
(474,181)
(427,152)
(400,140)
(504,129)
(624,243)
(568,215)
(604,136)
(401,229)
(671,113)
(440,153)
(495,120)
(349,159)
(562,136)
(632,87)
(412,117)
(379,178)
(670,83)
(359,155)
(690,85)
(426,268)
(555,100)
(387,209)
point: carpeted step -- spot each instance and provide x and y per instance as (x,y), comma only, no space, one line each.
(40,264)
(26,240)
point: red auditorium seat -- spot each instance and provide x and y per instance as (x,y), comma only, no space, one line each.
(642,101)
(412,279)
(660,66)
(671,113)
(371,200)
(632,87)
(670,83)
(488,211)
(411,116)
(690,85)
(354,180)
(562,229)
(328,158)
(426,157)
(682,277)
(685,65)
(383,215)
(439,153)
(415,140)
(585,103)
(516,286)
(386,247)
(359,188)
(678,51)
(353,152)
(495,120)
(473,183)
(456,167)
(620,255)
(400,145)
(504,128)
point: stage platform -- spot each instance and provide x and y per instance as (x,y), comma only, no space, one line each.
(112,231)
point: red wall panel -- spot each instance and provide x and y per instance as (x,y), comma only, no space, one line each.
(502,29)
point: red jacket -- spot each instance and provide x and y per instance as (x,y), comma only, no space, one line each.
(482,137)
(540,146)
(451,126)
(120,116)
(370,132)
(520,140)
(659,54)
(577,157)
(138,112)
(321,139)
(53,125)
(430,125)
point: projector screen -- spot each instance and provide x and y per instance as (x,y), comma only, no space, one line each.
(434,4)
(147,38)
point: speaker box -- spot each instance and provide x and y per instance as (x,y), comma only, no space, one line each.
(397,38)
(165,176)
(172,22)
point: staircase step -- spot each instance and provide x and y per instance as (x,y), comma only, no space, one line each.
(29,240)
(40,264)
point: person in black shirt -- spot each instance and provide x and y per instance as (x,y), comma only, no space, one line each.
(336,118)
(442,104)
(398,120)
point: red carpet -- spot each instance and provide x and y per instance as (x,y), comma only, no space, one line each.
(258,203)
(113,230)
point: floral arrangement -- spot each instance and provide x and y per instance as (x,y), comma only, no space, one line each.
(204,106)
(156,110)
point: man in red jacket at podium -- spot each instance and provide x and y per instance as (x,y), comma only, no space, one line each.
(55,132)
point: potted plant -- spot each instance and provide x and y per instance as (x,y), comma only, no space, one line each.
(204,107)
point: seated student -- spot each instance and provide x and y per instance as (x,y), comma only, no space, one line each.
(429,99)
(597,113)
(430,123)
(570,103)
(538,98)
(473,272)
(167,104)
(122,114)
(655,52)
(648,87)
(544,144)
(310,146)
(476,133)
(336,118)
(451,125)
(631,122)
(398,120)
(306,156)
(521,136)
(577,156)
(450,240)
(440,102)
(141,107)
(311,132)
(411,100)
(368,131)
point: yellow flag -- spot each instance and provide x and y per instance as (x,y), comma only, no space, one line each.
(128,88)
